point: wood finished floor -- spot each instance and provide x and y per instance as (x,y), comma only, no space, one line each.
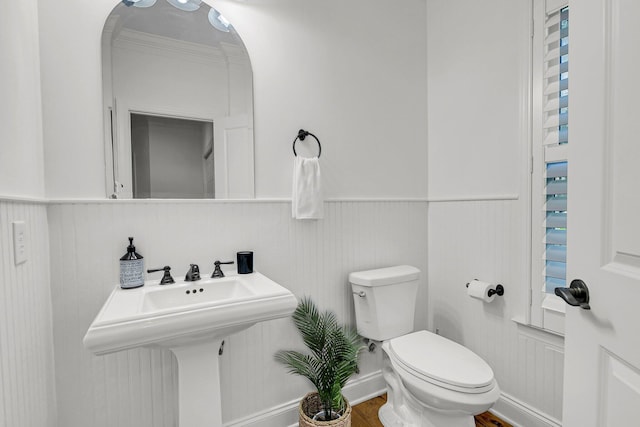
(366,415)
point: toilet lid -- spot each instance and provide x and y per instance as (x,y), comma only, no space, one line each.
(431,356)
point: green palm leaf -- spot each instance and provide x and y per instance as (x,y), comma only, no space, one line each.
(334,353)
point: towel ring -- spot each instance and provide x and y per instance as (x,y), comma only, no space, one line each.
(302,134)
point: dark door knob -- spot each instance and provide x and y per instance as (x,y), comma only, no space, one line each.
(577,294)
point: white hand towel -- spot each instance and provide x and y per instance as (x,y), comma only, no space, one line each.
(307,200)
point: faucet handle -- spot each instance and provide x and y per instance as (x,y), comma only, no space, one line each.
(193,274)
(166,278)
(217,272)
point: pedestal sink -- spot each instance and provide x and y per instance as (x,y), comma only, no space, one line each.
(191,319)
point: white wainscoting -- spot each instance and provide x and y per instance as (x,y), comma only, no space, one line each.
(27,397)
(487,240)
(138,388)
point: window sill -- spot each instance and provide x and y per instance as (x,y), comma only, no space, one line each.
(541,334)
(554,303)
(553,312)
(551,318)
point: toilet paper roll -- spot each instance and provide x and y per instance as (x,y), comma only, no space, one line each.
(480,290)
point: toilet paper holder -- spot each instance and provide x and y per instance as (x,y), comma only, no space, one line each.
(499,290)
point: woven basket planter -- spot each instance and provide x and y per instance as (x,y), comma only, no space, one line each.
(311,405)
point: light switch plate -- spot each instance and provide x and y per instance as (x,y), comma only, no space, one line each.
(19,242)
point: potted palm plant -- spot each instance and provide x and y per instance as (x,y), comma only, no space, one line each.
(332,359)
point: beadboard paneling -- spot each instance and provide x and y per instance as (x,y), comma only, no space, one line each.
(27,396)
(487,240)
(137,388)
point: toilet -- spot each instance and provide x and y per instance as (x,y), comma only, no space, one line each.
(431,381)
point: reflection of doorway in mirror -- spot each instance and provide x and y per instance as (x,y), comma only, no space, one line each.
(233,152)
(171,158)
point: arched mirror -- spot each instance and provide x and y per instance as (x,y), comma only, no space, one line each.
(178,103)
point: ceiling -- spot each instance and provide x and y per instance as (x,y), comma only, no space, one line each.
(165,20)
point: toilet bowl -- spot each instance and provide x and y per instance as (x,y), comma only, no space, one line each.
(431,381)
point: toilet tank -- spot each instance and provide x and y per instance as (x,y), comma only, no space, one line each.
(385,301)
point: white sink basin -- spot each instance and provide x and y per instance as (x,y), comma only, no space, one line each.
(183,313)
(224,289)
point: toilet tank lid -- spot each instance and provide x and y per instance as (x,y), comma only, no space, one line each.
(385,276)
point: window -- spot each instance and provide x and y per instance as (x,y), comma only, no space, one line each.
(555,226)
(550,162)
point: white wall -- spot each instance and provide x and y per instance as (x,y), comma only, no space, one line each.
(487,240)
(27,394)
(175,155)
(138,388)
(27,397)
(140,173)
(478,74)
(478,95)
(332,67)
(21,161)
(150,76)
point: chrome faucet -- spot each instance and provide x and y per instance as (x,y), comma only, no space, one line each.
(217,272)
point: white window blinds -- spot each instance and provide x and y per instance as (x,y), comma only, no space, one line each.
(556,78)
(556,226)
(555,138)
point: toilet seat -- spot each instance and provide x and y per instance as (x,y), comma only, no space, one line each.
(442,362)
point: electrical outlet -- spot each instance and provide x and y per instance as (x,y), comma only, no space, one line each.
(19,242)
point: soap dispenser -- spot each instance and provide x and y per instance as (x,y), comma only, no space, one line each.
(131,268)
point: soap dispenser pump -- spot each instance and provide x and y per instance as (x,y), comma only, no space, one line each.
(131,268)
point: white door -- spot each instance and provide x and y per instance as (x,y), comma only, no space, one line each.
(602,359)
(233,157)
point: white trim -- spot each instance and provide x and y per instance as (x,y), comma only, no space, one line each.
(474,198)
(71,201)
(534,313)
(552,6)
(276,416)
(508,408)
(544,310)
(23,199)
(627,265)
(546,336)
(223,201)
(527,123)
(377,199)
(357,391)
(137,41)
(553,314)
(163,112)
(554,303)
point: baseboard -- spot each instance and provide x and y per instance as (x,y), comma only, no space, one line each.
(365,387)
(508,408)
(519,414)
(356,391)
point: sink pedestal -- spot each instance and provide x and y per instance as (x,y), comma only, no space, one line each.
(199,384)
